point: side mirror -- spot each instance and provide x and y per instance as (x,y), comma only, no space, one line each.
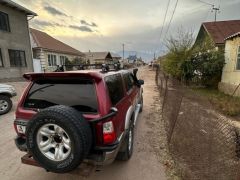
(141,82)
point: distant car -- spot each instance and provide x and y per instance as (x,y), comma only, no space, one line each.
(6,93)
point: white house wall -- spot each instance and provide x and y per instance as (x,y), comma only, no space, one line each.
(52,68)
(231,76)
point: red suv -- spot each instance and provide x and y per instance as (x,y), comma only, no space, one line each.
(64,118)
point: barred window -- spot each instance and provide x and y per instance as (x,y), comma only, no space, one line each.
(17,58)
(4,22)
(52,60)
(62,60)
(1,60)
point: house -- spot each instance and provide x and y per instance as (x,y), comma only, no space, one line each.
(15,47)
(217,32)
(116,57)
(48,52)
(230,81)
(99,57)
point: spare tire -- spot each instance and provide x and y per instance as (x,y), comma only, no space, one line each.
(59,138)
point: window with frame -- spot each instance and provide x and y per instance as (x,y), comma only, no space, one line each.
(238,59)
(4,22)
(129,81)
(17,58)
(62,60)
(115,88)
(52,60)
(81,94)
(1,59)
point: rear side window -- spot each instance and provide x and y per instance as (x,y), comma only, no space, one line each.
(128,80)
(78,94)
(115,88)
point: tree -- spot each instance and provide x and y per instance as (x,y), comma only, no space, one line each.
(78,61)
(179,52)
(203,61)
(208,61)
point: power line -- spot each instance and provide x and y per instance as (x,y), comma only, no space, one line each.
(175,7)
(164,19)
(205,2)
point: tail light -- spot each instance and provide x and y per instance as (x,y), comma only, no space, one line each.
(109,135)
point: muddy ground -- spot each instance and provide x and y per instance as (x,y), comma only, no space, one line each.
(150,159)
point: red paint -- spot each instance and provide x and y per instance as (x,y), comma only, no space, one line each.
(104,102)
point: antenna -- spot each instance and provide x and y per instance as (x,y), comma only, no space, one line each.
(217,10)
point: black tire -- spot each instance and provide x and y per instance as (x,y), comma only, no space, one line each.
(76,127)
(141,102)
(8,102)
(125,153)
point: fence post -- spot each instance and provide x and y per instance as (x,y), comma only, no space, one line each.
(175,121)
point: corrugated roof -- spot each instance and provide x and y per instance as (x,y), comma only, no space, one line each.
(115,55)
(45,41)
(98,55)
(232,36)
(220,30)
(18,7)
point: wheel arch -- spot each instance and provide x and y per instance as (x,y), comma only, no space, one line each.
(129,117)
(6,94)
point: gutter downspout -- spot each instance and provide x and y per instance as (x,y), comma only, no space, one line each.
(31,50)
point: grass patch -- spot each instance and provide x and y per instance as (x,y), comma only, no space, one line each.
(229,105)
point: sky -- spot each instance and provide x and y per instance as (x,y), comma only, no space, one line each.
(104,25)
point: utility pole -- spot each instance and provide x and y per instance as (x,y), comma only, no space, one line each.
(216,11)
(123,50)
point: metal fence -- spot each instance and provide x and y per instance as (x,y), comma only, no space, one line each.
(204,144)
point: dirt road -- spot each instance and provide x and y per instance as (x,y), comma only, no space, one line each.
(143,165)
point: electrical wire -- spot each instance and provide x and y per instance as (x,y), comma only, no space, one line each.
(175,7)
(205,2)
(164,20)
(165,16)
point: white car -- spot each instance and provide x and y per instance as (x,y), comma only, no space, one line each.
(6,93)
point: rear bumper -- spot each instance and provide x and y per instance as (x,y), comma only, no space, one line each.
(109,152)
(107,156)
(21,143)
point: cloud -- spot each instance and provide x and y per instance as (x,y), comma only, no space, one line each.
(42,23)
(88,24)
(81,28)
(54,11)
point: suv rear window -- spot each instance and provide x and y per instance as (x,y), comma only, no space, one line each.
(79,94)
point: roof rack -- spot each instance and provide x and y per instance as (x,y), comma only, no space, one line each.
(104,67)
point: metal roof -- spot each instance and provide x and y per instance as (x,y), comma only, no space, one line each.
(45,41)
(232,36)
(18,7)
(220,30)
(98,55)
